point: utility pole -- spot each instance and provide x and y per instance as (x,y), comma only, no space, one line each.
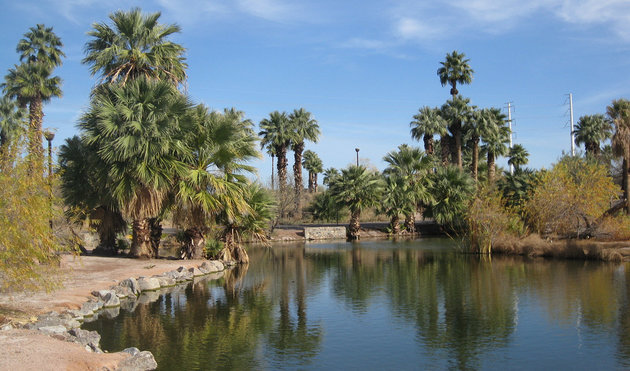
(356,149)
(509,107)
(571,118)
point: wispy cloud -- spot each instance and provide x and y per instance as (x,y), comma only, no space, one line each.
(271,10)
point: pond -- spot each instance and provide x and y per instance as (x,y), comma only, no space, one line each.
(387,305)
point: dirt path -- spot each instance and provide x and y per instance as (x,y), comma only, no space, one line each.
(31,350)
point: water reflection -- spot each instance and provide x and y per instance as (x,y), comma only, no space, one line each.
(319,306)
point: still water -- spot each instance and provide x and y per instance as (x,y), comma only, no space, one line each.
(387,305)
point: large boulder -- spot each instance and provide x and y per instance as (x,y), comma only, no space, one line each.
(138,361)
(148,284)
(195,272)
(185,273)
(166,281)
(110,300)
(89,308)
(211,266)
(89,339)
(132,284)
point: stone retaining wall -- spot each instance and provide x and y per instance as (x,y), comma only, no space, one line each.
(324,233)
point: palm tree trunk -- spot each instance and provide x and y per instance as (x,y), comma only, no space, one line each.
(354,227)
(282,167)
(457,150)
(410,223)
(445,144)
(428,144)
(155,224)
(475,158)
(297,174)
(395,224)
(272,171)
(35,148)
(193,244)
(315,182)
(310,182)
(491,167)
(624,172)
(141,239)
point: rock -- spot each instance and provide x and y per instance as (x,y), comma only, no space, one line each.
(102,293)
(133,351)
(76,314)
(216,266)
(54,319)
(53,330)
(139,361)
(148,284)
(6,327)
(166,281)
(204,268)
(186,274)
(88,308)
(90,339)
(129,305)
(111,300)
(123,291)
(195,272)
(132,284)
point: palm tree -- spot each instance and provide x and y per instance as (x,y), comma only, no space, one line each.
(221,143)
(136,129)
(357,188)
(455,69)
(85,193)
(41,44)
(592,130)
(456,111)
(11,124)
(451,189)
(135,45)
(395,201)
(619,113)
(427,123)
(411,166)
(276,131)
(496,140)
(313,164)
(303,128)
(518,156)
(329,176)
(31,82)
(271,151)
(482,122)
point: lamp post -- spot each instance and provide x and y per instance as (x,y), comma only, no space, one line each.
(356,149)
(49,135)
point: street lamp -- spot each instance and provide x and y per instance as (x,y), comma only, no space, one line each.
(356,149)
(49,135)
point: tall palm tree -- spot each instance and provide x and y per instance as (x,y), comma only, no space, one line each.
(619,113)
(518,156)
(395,201)
(304,127)
(455,69)
(357,188)
(329,175)
(135,45)
(592,130)
(41,44)
(31,82)
(481,122)
(313,164)
(137,131)
(457,111)
(427,123)
(271,151)
(411,166)
(276,131)
(496,140)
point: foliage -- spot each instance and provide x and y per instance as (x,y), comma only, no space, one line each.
(213,248)
(489,221)
(592,130)
(326,208)
(518,156)
(615,228)
(517,188)
(570,196)
(455,69)
(135,45)
(11,122)
(357,188)
(29,250)
(427,123)
(452,190)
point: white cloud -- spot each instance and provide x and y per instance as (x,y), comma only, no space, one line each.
(614,14)
(360,43)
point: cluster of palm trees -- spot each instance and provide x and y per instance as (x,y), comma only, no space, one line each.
(281,132)
(145,149)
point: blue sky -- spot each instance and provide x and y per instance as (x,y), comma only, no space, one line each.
(363,68)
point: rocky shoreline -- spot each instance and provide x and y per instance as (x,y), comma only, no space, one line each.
(126,294)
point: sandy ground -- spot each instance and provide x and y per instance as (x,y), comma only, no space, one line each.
(31,350)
